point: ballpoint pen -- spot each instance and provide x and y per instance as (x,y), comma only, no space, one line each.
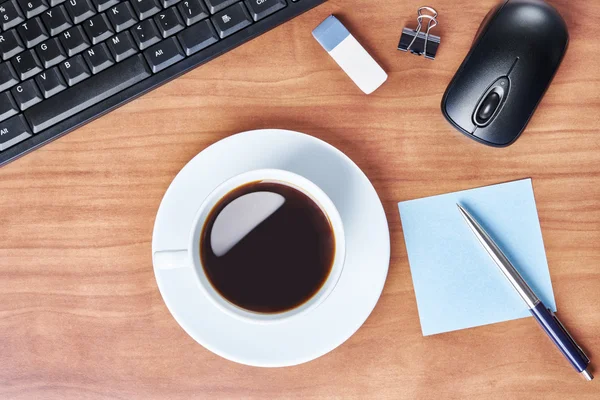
(545,317)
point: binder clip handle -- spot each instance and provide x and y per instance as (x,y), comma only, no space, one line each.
(417,42)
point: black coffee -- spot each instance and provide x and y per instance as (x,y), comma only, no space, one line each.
(267,247)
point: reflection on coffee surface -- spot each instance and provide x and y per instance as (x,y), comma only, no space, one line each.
(267,247)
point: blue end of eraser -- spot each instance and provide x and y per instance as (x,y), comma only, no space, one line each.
(330,33)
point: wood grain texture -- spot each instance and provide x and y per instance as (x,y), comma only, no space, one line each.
(80,313)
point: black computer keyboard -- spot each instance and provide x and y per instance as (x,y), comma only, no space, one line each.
(66,62)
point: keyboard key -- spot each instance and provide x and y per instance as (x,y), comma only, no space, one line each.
(32,32)
(26,94)
(193,11)
(8,106)
(98,58)
(145,34)
(51,82)
(102,5)
(56,20)
(27,64)
(145,8)
(50,52)
(13,131)
(8,76)
(122,16)
(74,40)
(231,20)
(33,7)
(262,8)
(87,93)
(198,37)
(98,28)
(10,15)
(10,44)
(55,2)
(168,3)
(74,70)
(217,5)
(164,54)
(122,46)
(169,22)
(79,10)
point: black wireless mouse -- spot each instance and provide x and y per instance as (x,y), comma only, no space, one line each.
(514,57)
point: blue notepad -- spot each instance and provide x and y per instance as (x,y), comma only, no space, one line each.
(457,285)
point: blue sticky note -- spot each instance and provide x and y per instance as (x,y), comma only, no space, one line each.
(457,285)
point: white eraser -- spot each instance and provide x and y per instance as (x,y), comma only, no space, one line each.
(349,54)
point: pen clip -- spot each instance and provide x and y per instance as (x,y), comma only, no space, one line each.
(570,337)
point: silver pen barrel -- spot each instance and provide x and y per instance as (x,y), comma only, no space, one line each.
(513,276)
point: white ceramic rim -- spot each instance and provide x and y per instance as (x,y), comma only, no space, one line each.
(287,178)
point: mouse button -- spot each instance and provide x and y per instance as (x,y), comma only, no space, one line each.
(536,67)
(528,85)
(538,60)
(465,91)
(491,57)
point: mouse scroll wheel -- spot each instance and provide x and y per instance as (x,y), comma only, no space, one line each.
(488,107)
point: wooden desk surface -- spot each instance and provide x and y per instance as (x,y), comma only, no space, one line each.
(80,313)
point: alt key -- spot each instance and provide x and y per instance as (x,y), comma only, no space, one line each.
(13,131)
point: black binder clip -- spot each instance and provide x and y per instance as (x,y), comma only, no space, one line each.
(416,41)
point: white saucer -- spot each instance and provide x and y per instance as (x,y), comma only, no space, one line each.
(321,330)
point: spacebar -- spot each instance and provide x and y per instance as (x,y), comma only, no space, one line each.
(87,93)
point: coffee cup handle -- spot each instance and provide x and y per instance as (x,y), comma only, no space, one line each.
(172,259)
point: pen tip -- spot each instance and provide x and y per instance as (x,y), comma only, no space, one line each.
(587,374)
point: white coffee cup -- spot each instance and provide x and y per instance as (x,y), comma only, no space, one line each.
(190,257)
